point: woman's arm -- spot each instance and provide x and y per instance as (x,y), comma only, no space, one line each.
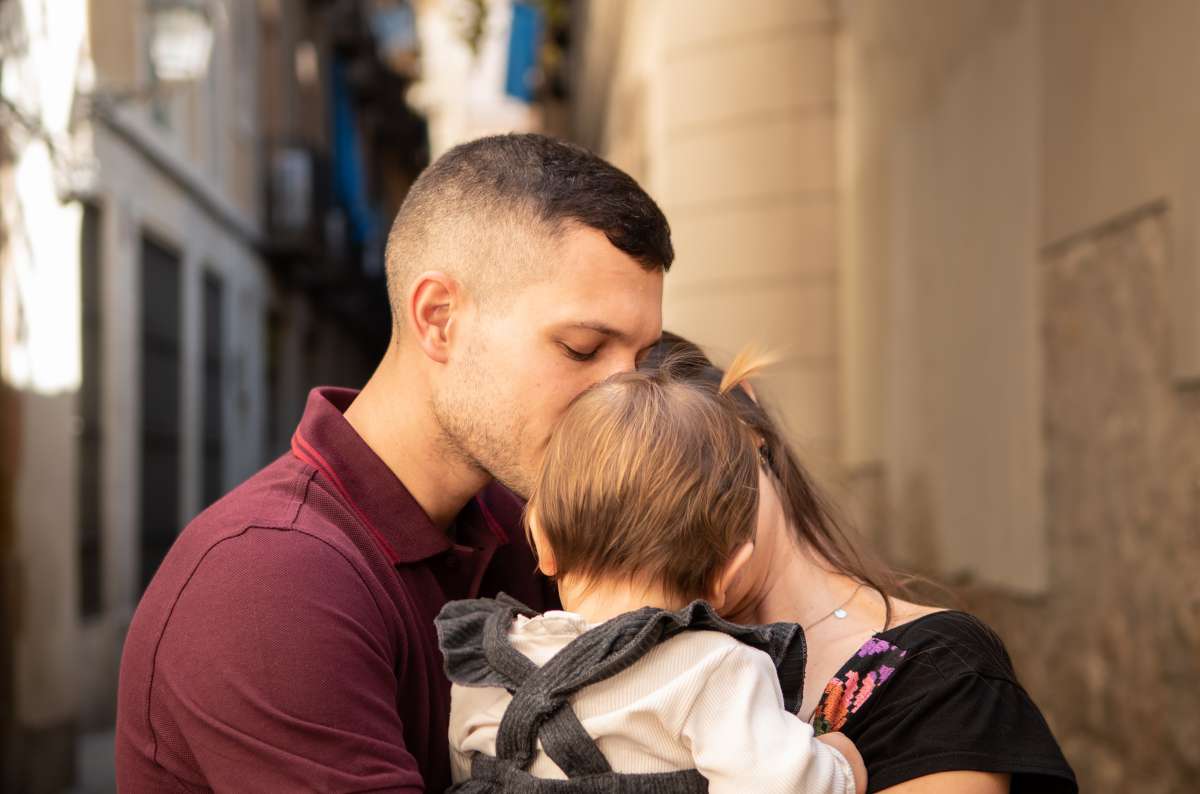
(954,783)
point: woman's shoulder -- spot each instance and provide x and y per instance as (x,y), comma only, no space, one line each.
(938,693)
(951,643)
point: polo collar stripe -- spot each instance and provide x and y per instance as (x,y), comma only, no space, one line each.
(305,452)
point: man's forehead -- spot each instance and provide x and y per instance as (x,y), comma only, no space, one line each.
(596,287)
(584,249)
(607,298)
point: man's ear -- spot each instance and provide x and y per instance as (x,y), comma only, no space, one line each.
(432,301)
(541,549)
(727,574)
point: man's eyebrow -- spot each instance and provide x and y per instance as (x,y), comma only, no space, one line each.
(599,328)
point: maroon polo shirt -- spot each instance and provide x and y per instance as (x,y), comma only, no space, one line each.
(287,643)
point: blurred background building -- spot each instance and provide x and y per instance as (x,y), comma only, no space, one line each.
(968,225)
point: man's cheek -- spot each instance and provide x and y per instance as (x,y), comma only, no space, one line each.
(541,425)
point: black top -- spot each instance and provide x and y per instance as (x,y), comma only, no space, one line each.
(939,694)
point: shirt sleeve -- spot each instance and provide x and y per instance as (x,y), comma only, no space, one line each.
(275,673)
(965,722)
(743,739)
(954,704)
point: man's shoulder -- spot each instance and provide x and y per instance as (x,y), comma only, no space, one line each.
(254,539)
(270,497)
(265,618)
(254,567)
(277,499)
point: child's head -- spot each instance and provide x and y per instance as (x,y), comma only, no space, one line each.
(649,480)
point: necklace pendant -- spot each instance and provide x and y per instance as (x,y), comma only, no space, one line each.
(840,613)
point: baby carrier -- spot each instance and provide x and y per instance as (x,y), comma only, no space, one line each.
(473,636)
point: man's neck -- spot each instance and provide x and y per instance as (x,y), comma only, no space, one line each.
(392,415)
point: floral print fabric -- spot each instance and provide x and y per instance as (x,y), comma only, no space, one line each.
(854,684)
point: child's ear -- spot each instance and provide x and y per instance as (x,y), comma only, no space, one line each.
(541,549)
(727,574)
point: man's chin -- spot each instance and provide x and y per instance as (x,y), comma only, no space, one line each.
(515,481)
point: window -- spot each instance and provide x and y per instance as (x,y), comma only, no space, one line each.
(90,429)
(278,424)
(160,395)
(213,485)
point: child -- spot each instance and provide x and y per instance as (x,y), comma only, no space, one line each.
(644,512)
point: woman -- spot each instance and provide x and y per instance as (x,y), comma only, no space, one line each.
(928,695)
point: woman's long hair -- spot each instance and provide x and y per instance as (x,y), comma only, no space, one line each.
(809,515)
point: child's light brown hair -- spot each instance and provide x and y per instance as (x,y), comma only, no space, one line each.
(650,479)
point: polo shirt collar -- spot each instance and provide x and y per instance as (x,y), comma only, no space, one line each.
(327,442)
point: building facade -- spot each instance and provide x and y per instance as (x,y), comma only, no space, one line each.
(179,263)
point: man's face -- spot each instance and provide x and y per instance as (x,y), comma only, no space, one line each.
(520,361)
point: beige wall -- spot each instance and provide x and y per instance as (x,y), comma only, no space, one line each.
(974,134)
(725,111)
(1018,246)
(941,180)
(114,42)
(1121,126)
(1110,651)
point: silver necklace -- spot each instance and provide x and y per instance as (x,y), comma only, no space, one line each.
(839,612)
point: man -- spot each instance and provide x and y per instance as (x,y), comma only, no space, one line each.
(286,642)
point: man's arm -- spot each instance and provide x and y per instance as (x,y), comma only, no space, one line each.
(276,672)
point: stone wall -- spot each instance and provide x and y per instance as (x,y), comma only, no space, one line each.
(1112,650)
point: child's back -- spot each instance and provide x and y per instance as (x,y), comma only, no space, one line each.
(699,700)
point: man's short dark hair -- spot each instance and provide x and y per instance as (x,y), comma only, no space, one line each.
(514,181)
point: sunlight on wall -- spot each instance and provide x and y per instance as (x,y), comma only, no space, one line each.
(39,280)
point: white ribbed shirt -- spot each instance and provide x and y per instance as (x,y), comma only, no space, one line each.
(701,700)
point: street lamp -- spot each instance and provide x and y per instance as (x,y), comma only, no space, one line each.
(181,37)
(180,44)
(179,47)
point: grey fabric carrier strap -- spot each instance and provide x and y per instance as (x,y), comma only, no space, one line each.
(473,636)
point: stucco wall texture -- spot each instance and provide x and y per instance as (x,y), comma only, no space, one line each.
(1112,651)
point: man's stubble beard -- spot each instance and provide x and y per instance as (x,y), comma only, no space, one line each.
(478,432)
